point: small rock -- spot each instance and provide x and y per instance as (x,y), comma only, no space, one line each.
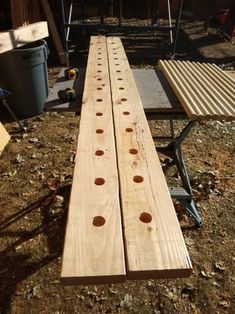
(19,159)
(189,241)
(126,301)
(36,290)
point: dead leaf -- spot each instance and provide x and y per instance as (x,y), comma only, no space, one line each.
(225,304)
(206,275)
(53,184)
(220,266)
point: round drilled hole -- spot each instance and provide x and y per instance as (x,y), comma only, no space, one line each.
(145,218)
(99,131)
(99,99)
(129,130)
(123,99)
(138,179)
(120,79)
(99,88)
(103,84)
(99,181)
(99,114)
(126,113)
(133,151)
(98,221)
(99,64)
(99,152)
(121,88)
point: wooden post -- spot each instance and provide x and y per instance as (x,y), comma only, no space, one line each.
(18,13)
(54,32)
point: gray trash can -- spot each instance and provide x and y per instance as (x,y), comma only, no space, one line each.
(23,71)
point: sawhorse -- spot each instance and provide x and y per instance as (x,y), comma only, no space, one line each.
(160,103)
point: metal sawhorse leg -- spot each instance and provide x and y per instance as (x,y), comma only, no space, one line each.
(173,149)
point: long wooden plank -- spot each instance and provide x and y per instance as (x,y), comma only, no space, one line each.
(204,90)
(93,249)
(21,36)
(4,137)
(154,242)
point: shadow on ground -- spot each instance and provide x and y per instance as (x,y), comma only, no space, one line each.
(16,267)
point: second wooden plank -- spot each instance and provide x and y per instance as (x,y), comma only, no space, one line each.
(154,243)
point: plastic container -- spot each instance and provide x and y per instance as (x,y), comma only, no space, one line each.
(23,71)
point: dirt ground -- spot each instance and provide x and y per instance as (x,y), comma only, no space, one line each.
(35,179)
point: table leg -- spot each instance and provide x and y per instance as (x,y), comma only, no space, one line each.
(173,149)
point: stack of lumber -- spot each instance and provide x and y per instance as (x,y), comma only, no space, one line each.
(204,90)
(121,221)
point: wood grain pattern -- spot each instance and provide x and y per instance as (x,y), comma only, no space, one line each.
(154,242)
(4,137)
(204,90)
(18,13)
(21,36)
(93,249)
(53,31)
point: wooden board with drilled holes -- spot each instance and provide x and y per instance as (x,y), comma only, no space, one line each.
(93,249)
(204,90)
(4,137)
(154,243)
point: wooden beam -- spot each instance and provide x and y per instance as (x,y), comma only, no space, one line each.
(154,242)
(21,36)
(18,13)
(93,249)
(204,90)
(4,137)
(53,31)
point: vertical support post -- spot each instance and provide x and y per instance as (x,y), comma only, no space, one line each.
(169,17)
(63,27)
(120,12)
(101,11)
(177,25)
(65,32)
